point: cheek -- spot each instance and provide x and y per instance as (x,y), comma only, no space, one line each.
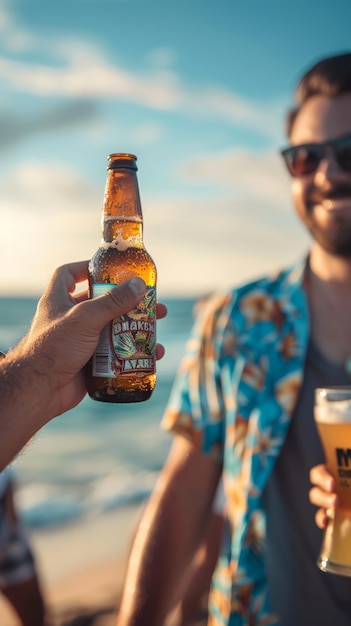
(298,192)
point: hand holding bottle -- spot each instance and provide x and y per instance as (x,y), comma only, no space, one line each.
(43,376)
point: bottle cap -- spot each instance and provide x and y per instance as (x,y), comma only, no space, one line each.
(124,160)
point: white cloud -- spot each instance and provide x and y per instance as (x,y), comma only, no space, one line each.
(49,216)
(146,133)
(230,106)
(162,57)
(47,188)
(252,175)
(80,69)
(87,74)
(13,37)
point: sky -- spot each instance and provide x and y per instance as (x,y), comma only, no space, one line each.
(197,89)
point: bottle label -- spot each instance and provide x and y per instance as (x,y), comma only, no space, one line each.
(128,344)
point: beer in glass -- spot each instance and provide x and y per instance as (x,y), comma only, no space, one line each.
(333,418)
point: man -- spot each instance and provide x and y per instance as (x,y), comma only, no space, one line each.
(242,406)
(43,376)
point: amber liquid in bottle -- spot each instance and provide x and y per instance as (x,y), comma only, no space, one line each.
(123,368)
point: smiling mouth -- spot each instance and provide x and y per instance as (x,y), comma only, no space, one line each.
(340,204)
(336,200)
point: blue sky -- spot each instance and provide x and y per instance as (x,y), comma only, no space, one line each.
(198,90)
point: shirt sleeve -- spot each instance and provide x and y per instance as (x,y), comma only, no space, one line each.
(196,409)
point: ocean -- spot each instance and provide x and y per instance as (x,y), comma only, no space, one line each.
(97,457)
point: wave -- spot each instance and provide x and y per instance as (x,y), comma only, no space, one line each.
(45,506)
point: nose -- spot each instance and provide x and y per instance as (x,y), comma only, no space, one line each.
(329,170)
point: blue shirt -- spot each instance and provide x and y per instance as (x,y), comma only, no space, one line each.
(233,397)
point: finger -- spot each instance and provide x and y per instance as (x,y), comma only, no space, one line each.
(134,288)
(115,302)
(321,498)
(320,476)
(69,275)
(160,351)
(57,298)
(81,296)
(321,518)
(161,310)
(73,273)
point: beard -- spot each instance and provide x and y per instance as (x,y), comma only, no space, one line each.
(333,233)
(336,241)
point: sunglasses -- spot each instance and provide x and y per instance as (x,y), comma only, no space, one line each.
(305,159)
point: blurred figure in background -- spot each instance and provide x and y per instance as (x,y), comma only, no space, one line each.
(19,580)
(242,406)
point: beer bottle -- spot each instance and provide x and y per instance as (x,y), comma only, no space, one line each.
(123,367)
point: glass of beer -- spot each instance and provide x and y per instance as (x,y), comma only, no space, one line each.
(332,413)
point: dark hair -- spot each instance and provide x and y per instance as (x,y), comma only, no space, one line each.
(329,77)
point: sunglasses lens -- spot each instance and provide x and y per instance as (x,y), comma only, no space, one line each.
(303,160)
(343,155)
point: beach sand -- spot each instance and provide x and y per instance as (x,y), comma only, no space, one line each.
(82,566)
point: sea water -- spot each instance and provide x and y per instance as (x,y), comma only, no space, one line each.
(96,457)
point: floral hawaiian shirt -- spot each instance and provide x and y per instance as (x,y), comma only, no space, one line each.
(234,397)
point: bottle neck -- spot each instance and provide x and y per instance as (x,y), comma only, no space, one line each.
(118,230)
(122,218)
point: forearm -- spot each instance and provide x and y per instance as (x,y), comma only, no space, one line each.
(170,531)
(159,558)
(22,408)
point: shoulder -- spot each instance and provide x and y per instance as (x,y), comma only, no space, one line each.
(253,313)
(257,298)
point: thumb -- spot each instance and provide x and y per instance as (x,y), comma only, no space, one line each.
(115,302)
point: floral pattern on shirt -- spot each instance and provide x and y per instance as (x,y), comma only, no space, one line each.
(233,398)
